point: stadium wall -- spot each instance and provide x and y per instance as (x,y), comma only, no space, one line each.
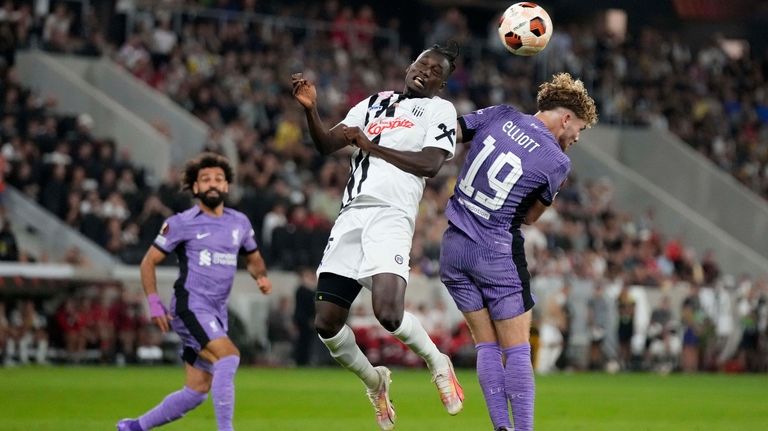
(147,146)
(49,233)
(188,133)
(636,192)
(683,173)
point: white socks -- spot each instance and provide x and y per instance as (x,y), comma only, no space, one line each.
(345,350)
(416,338)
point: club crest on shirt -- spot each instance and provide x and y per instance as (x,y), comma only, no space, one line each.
(399,259)
(235,236)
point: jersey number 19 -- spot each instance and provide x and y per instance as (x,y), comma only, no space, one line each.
(501,188)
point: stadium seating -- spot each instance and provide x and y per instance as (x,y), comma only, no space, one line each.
(231,75)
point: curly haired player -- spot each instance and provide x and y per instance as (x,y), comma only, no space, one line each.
(513,170)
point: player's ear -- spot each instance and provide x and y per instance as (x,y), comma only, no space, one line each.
(443,84)
(194,188)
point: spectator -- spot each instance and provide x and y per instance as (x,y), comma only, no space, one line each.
(304,317)
(626,329)
(9,249)
(56,29)
(31,333)
(280,330)
(71,325)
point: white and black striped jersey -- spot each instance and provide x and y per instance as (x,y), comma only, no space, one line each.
(403,123)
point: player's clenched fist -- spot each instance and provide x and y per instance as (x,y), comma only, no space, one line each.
(304,91)
(356,137)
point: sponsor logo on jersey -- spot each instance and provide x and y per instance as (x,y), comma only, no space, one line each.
(382,124)
(208,258)
(202,235)
(399,259)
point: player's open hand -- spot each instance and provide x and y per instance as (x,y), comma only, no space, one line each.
(356,137)
(265,285)
(304,91)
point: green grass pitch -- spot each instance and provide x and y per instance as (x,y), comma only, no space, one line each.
(93,398)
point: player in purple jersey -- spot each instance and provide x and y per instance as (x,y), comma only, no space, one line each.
(400,139)
(513,170)
(207,239)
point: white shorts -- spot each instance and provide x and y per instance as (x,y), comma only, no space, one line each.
(366,241)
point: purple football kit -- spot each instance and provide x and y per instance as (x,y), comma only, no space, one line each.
(207,248)
(512,162)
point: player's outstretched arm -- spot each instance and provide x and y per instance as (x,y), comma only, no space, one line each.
(326,141)
(258,270)
(424,163)
(149,282)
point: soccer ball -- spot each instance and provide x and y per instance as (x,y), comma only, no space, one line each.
(525,28)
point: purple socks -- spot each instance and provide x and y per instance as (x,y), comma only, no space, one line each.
(174,406)
(223,390)
(490,373)
(519,385)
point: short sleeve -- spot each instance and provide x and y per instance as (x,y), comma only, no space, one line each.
(170,236)
(248,244)
(356,116)
(555,178)
(472,121)
(442,128)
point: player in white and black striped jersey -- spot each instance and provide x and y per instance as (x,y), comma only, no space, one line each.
(401,138)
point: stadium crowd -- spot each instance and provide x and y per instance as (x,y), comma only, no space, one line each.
(585,254)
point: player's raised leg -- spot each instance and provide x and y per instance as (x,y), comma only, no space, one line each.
(335,295)
(520,388)
(175,405)
(388,291)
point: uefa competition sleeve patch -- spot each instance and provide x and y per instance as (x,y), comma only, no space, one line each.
(161,239)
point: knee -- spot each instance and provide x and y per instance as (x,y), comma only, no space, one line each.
(327,326)
(200,385)
(389,317)
(389,312)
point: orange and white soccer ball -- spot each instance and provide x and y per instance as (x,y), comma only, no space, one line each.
(525,28)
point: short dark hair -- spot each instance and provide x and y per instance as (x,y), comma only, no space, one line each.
(450,51)
(205,160)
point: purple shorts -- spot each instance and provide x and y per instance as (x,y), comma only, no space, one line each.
(196,328)
(478,277)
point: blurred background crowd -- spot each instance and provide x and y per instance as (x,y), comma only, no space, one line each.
(229,64)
